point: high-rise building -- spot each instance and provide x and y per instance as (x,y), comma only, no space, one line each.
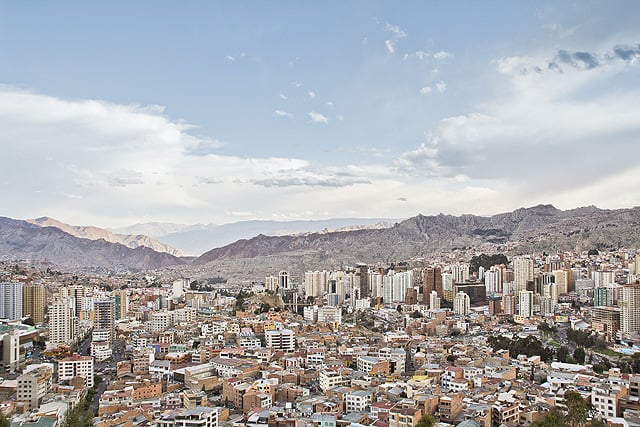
(460,272)
(315,283)
(551,291)
(362,280)
(606,296)
(33,302)
(432,281)
(60,322)
(630,309)
(271,283)
(76,292)
(603,278)
(283,279)
(493,281)
(121,300)
(104,316)
(525,304)
(447,287)
(522,271)
(10,300)
(461,304)
(434,301)
(562,280)
(509,304)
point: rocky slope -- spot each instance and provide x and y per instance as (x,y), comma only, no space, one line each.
(20,240)
(198,238)
(95,233)
(524,230)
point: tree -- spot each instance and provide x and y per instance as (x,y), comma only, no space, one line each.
(563,354)
(427,420)
(486,261)
(78,416)
(579,355)
(579,413)
(4,422)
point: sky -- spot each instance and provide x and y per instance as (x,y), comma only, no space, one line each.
(114,113)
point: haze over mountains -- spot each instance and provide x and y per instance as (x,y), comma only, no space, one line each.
(21,240)
(199,238)
(96,233)
(524,230)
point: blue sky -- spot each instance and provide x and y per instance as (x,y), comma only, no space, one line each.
(124,112)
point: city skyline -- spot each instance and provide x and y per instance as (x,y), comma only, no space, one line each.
(221,112)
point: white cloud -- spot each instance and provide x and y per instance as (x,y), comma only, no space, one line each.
(311,94)
(547,138)
(442,55)
(230,58)
(441,86)
(391,45)
(316,117)
(282,113)
(93,162)
(283,96)
(426,90)
(396,31)
(396,34)
(329,104)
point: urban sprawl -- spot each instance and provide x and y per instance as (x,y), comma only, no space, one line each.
(485,341)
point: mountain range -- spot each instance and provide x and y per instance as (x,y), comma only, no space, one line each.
(94,233)
(21,240)
(525,230)
(199,238)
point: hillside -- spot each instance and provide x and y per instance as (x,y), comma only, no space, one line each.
(96,233)
(524,230)
(20,240)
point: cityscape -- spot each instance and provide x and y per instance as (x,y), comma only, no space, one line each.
(487,341)
(360,213)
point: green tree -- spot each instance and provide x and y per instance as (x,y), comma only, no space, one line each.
(579,355)
(563,354)
(427,420)
(4,422)
(579,413)
(78,416)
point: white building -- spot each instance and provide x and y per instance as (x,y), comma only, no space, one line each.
(76,366)
(461,304)
(327,314)
(434,301)
(630,309)
(10,300)
(328,379)
(161,321)
(315,283)
(284,339)
(357,401)
(60,324)
(200,416)
(522,271)
(525,304)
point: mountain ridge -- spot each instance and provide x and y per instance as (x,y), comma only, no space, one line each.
(96,233)
(21,240)
(524,230)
